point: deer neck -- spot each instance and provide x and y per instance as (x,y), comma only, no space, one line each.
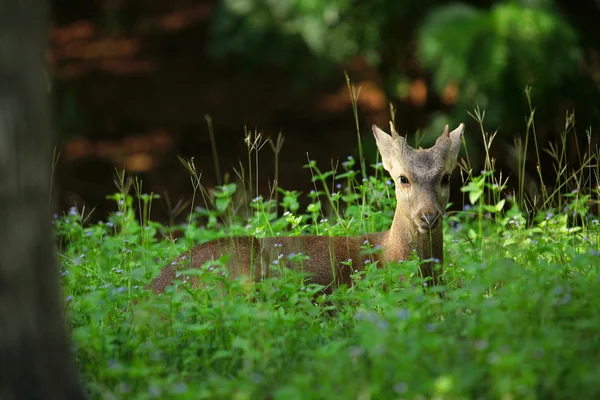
(403,237)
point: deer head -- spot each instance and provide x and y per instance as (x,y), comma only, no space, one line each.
(421,176)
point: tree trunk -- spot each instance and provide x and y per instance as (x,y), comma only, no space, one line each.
(35,359)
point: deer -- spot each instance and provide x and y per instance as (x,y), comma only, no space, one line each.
(422,188)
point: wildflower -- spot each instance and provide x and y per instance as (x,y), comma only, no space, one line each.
(355,351)
(69,298)
(481,344)
(122,289)
(492,358)
(349,260)
(400,387)
(466,207)
(285,214)
(364,179)
(338,186)
(382,324)
(323,220)
(402,314)
(350,158)
(276,261)
(366,241)
(388,182)
(549,215)
(72,211)
(110,224)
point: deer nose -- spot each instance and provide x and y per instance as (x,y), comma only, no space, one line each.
(430,220)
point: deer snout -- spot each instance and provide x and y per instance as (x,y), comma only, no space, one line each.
(429,220)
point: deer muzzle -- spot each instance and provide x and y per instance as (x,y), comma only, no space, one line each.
(428,220)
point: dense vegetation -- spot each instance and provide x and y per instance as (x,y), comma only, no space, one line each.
(519,319)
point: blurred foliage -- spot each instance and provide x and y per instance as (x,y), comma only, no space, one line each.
(284,31)
(490,54)
(494,54)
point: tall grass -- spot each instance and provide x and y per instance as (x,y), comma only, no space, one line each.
(520,320)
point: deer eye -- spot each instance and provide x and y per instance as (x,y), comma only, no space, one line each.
(446,179)
(403,180)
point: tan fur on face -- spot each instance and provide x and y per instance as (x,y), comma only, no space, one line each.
(424,168)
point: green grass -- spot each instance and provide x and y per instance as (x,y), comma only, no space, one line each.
(520,320)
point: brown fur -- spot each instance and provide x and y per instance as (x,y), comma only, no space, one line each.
(425,195)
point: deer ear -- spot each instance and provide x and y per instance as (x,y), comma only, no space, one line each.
(386,146)
(455,141)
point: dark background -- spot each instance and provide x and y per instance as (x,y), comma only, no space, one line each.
(132,82)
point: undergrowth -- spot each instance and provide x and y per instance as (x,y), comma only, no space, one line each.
(520,319)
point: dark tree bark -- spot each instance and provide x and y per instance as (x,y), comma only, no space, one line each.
(35,359)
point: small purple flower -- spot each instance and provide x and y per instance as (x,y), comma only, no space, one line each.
(72,211)
(69,298)
(402,314)
(388,182)
(276,261)
(122,289)
(338,186)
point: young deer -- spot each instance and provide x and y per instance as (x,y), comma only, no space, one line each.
(422,181)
